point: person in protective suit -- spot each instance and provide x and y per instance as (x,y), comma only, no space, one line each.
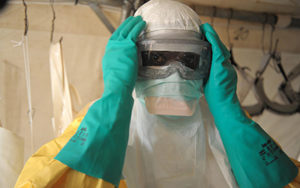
(184,127)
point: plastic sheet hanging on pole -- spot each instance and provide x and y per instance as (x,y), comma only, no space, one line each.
(11,157)
(62,107)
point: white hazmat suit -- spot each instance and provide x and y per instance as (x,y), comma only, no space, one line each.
(174,151)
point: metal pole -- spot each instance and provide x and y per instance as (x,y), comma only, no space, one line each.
(236,14)
(126,10)
(102,17)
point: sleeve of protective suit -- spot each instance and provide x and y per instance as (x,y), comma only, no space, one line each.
(256,160)
(99,145)
(42,170)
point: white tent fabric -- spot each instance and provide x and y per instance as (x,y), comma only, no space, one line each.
(11,157)
(62,106)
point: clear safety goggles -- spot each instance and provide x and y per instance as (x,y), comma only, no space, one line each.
(159,58)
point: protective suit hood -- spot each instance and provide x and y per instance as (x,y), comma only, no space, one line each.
(165,151)
(168,15)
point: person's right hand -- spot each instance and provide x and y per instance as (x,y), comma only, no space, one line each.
(120,61)
(99,145)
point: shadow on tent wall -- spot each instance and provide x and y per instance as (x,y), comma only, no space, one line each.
(3,3)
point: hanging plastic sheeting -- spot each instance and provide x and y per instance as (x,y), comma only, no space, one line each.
(62,107)
(12,105)
(11,157)
(11,111)
(24,44)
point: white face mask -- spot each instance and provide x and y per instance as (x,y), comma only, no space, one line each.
(170,96)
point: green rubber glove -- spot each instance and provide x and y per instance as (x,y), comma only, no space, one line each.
(256,160)
(99,145)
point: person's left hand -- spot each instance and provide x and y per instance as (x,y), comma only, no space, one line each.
(255,159)
(220,89)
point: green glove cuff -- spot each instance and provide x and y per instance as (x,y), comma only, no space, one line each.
(99,145)
(255,158)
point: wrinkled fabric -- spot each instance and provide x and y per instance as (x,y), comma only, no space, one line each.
(61,99)
(170,151)
(168,14)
